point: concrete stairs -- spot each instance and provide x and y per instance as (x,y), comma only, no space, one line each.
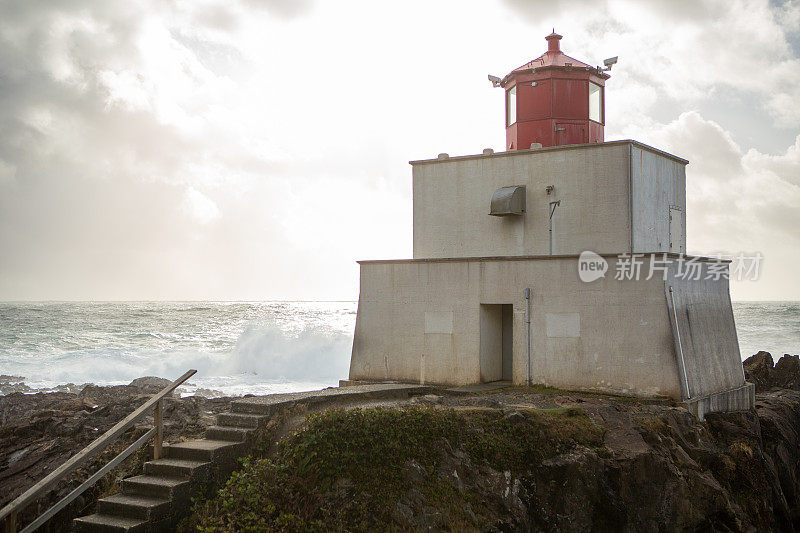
(159,498)
(156,500)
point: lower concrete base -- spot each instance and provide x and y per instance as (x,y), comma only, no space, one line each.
(357,382)
(739,399)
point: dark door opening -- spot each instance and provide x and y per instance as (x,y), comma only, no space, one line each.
(497,342)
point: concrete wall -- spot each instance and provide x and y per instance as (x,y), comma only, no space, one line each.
(658,183)
(420,321)
(592,182)
(704,332)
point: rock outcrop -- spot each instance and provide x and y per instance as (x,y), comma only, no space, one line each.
(40,431)
(760,370)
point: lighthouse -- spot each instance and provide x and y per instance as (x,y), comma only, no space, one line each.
(554,100)
(559,261)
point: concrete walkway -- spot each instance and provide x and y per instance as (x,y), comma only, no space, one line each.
(269,404)
(481,387)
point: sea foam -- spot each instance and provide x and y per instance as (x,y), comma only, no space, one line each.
(236,348)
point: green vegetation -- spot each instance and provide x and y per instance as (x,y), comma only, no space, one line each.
(349,469)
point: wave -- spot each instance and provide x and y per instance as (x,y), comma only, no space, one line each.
(262,354)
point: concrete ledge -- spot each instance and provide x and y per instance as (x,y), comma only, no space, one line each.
(553,149)
(357,382)
(270,404)
(740,399)
(553,257)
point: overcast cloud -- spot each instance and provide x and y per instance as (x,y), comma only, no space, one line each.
(255,149)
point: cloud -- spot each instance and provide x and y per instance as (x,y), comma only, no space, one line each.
(107,135)
(690,50)
(200,207)
(7,173)
(738,201)
(786,165)
(285,8)
(256,149)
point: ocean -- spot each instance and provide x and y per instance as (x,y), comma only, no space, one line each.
(237,347)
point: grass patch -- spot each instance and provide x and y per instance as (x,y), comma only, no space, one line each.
(348,469)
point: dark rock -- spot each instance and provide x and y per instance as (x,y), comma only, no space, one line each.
(430,398)
(38,432)
(9,384)
(413,471)
(430,519)
(150,384)
(206,393)
(758,370)
(470,513)
(515,417)
(786,373)
(402,514)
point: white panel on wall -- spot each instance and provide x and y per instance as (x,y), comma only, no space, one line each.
(439,322)
(563,324)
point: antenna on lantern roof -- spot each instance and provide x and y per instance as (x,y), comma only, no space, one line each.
(552,42)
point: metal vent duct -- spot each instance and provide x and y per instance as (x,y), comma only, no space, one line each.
(508,201)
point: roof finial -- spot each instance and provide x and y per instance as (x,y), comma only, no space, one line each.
(552,41)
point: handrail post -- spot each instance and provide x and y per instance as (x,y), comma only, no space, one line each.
(10,513)
(158,422)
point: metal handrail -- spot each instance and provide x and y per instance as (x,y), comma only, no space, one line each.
(9,513)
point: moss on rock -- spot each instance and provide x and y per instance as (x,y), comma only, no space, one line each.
(365,469)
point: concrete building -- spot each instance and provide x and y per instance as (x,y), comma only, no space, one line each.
(562,266)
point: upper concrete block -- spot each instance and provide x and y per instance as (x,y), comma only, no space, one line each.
(609,197)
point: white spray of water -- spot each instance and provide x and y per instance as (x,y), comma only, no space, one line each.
(265,358)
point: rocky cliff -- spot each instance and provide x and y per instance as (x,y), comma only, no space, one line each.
(524,459)
(514,459)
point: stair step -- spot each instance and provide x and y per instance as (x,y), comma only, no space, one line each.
(156,486)
(240,420)
(178,468)
(204,450)
(134,506)
(106,523)
(255,408)
(229,433)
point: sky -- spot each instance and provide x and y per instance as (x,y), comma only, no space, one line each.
(255,149)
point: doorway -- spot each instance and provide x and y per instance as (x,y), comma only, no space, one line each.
(497,342)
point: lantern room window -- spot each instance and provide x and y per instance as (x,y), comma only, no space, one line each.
(595,102)
(511,106)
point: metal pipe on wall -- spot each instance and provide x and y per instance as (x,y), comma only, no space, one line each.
(528,334)
(553,206)
(682,368)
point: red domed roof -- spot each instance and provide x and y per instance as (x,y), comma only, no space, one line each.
(554,57)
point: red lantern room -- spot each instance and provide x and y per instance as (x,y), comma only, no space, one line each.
(554,100)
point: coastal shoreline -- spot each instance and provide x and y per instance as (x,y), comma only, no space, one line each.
(39,431)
